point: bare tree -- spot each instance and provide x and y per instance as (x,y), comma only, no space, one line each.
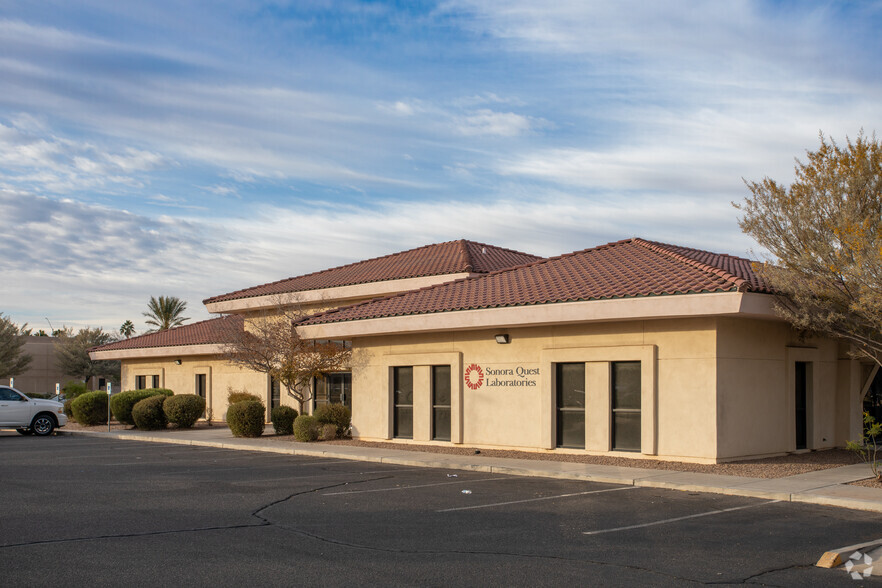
(13,358)
(269,343)
(72,354)
(825,233)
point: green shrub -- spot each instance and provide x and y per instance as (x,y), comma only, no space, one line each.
(184,410)
(73,389)
(234,396)
(246,418)
(283,419)
(90,409)
(306,428)
(148,414)
(335,414)
(122,404)
(67,409)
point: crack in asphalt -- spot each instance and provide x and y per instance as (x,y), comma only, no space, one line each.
(264,521)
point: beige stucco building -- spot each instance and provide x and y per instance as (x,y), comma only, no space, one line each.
(635,348)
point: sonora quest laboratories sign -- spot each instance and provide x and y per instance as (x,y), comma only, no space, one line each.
(514,377)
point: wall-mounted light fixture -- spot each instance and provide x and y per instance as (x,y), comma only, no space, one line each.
(177,362)
(503,338)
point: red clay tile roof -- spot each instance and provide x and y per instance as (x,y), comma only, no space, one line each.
(630,268)
(215,330)
(451,257)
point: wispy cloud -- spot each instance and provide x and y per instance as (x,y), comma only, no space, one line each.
(205,149)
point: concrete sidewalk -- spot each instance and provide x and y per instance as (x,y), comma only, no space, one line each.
(829,487)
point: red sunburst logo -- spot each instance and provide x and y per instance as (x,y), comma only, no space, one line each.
(474,376)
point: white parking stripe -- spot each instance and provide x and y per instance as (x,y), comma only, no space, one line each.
(536,499)
(675,519)
(412,487)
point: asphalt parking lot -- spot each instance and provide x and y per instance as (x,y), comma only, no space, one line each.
(83,511)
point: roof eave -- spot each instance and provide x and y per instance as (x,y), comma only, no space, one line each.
(154,352)
(732,303)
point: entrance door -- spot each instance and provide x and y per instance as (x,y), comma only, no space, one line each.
(873,399)
(570,384)
(334,388)
(275,394)
(803,372)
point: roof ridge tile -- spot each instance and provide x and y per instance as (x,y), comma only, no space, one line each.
(739,283)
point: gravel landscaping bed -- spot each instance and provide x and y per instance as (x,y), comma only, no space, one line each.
(772,467)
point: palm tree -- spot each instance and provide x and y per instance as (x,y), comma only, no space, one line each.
(127,329)
(165,312)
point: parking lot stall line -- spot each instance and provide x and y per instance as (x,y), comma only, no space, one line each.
(458,481)
(683,518)
(536,499)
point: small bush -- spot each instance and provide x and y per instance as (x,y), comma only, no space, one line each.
(184,410)
(90,409)
(148,414)
(67,409)
(246,419)
(283,419)
(335,414)
(73,389)
(122,404)
(306,428)
(234,396)
(327,431)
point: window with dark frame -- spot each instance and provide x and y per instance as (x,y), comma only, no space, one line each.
(570,385)
(402,385)
(140,382)
(441,402)
(155,382)
(626,392)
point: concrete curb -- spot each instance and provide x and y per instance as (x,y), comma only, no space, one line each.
(814,496)
(833,559)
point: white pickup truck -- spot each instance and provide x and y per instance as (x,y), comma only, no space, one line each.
(29,415)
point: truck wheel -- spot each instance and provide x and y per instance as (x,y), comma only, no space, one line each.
(43,425)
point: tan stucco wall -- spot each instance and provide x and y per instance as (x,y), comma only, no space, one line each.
(756,389)
(221,376)
(679,383)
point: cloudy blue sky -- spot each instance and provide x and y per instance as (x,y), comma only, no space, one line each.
(193,148)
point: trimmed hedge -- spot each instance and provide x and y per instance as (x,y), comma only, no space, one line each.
(335,414)
(122,404)
(148,414)
(283,419)
(68,411)
(184,410)
(246,418)
(235,396)
(90,409)
(73,389)
(327,432)
(306,428)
